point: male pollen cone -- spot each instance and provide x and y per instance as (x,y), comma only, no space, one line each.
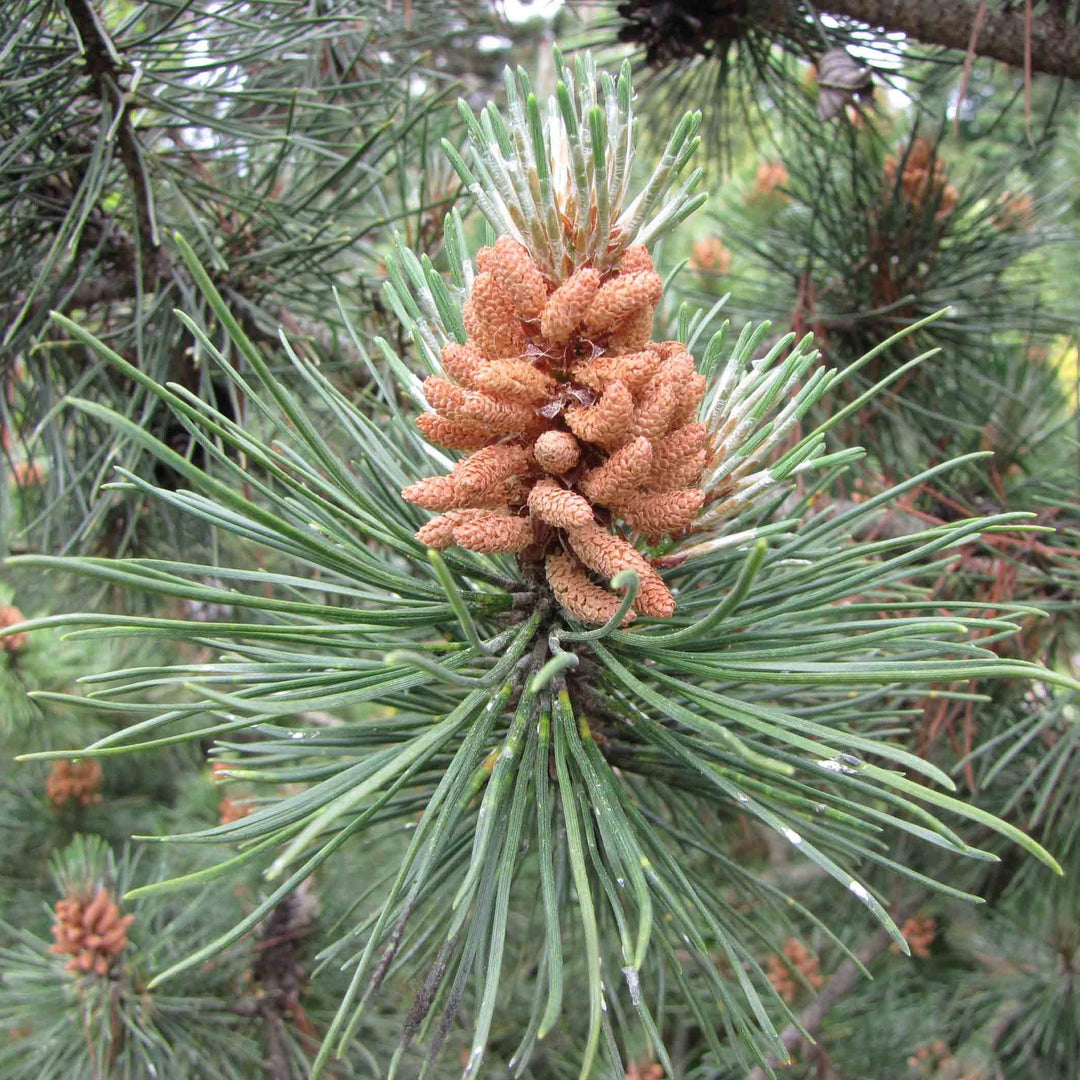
(76,782)
(91,930)
(923,181)
(575,421)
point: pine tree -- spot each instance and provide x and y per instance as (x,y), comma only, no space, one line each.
(654,679)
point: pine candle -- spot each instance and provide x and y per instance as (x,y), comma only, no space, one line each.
(582,432)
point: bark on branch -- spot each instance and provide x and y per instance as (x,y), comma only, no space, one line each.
(1055,41)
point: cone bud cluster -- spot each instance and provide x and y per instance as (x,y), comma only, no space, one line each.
(710,254)
(769,181)
(77,782)
(645,1070)
(920,932)
(803,961)
(1015,212)
(934,1059)
(922,180)
(91,930)
(11,616)
(580,428)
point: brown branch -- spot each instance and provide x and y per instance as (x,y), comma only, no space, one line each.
(277,1059)
(1054,41)
(105,82)
(277,976)
(839,986)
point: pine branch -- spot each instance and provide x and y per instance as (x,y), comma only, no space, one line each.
(839,986)
(1055,42)
(747,694)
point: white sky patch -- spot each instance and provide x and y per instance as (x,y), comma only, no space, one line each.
(519,11)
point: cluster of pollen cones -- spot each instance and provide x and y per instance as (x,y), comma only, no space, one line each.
(803,961)
(76,782)
(91,930)
(11,616)
(575,420)
(923,181)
